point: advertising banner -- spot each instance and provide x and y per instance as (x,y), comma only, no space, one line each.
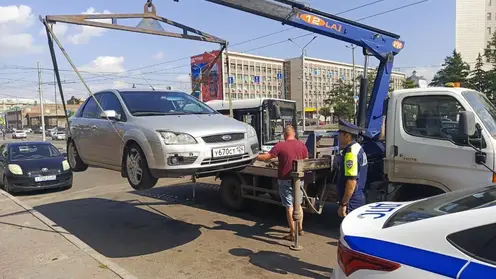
(212,85)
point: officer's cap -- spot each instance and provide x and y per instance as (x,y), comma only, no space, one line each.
(347,127)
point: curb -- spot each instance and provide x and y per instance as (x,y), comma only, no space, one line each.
(119,271)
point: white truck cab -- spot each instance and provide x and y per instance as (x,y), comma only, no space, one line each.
(423,141)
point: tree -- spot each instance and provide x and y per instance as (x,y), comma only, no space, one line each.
(326,112)
(454,70)
(490,51)
(341,99)
(478,79)
(408,83)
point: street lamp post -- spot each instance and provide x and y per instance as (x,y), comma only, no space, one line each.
(303,53)
(352,47)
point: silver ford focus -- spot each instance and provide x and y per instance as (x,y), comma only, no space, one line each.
(148,134)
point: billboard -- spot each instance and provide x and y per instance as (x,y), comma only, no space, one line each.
(212,85)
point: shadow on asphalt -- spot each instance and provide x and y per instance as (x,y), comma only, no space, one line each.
(119,229)
(269,215)
(282,263)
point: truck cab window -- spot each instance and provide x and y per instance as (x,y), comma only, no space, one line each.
(433,116)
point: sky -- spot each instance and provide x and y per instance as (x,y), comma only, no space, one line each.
(111,58)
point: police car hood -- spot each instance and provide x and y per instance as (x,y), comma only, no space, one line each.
(369,220)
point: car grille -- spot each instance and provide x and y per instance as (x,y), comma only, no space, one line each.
(218,138)
(210,161)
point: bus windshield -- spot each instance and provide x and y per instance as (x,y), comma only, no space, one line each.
(484,109)
(277,114)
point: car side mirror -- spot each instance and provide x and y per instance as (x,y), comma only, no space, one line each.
(64,154)
(277,110)
(466,124)
(110,114)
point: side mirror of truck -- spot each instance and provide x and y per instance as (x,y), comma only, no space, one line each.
(480,158)
(466,126)
(277,111)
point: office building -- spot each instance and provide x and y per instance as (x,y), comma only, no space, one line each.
(252,76)
(318,80)
(475,24)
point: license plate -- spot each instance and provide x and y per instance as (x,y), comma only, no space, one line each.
(45,178)
(228,151)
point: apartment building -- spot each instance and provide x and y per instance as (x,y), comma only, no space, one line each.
(475,25)
(319,76)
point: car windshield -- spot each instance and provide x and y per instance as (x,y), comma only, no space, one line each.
(146,103)
(484,109)
(32,151)
(453,202)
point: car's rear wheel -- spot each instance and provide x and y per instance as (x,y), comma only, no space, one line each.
(138,173)
(75,161)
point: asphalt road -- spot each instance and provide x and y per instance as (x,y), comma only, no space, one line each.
(164,233)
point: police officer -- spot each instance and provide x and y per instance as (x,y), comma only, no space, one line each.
(352,173)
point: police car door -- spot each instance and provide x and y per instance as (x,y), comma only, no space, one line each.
(422,154)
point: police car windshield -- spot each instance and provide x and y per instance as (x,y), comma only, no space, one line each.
(453,202)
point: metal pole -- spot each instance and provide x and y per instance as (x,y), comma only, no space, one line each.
(55,92)
(231,114)
(303,116)
(297,213)
(354,83)
(41,103)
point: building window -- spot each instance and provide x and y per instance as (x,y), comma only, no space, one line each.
(489,30)
(488,16)
(489,2)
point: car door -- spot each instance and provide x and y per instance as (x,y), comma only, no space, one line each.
(423,154)
(108,138)
(86,127)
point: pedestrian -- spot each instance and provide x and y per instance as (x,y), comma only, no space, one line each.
(286,152)
(352,173)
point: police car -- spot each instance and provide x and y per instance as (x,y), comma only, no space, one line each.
(447,236)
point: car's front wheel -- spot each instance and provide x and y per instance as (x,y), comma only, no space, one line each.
(7,185)
(138,173)
(75,161)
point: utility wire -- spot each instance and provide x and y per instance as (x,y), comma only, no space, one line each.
(119,75)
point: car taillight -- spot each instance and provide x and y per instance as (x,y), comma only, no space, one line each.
(351,261)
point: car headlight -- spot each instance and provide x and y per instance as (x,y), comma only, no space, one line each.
(15,169)
(251,132)
(65,165)
(177,138)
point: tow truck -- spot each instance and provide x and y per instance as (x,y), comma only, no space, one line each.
(419,142)
(437,140)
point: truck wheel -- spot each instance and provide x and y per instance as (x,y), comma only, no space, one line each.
(138,173)
(75,161)
(231,193)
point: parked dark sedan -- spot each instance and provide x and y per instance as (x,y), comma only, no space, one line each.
(26,166)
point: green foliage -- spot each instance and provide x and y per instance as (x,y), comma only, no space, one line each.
(454,70)
(326,112)
(478,77)
(407,84)
(341,100)
(490,51)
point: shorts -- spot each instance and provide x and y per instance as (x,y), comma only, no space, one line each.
(286,192)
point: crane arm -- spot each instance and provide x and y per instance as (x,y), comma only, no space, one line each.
(375,42)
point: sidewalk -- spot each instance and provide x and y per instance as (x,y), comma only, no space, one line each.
(32,246)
